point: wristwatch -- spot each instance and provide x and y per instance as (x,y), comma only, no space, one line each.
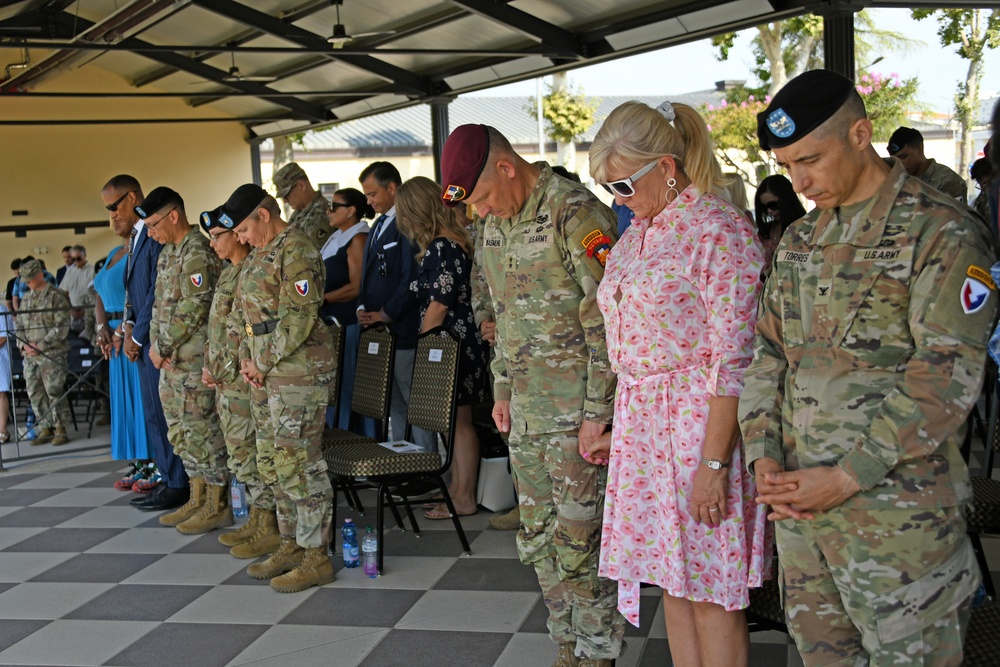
(715,465)
(101,326)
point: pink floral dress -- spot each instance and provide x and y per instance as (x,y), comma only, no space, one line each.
(679,298)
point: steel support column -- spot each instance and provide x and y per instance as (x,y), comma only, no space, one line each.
(838,41)
(440,130)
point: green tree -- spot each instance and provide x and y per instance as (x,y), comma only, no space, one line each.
(568,114)
(971,31)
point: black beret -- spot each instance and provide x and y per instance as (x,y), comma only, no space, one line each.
(212,219)
(244,201)
(160,197)
(903,137)
(804,104)
(462,161)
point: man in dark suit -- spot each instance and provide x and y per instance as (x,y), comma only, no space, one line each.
(388,269)
(121,195)
(68,261)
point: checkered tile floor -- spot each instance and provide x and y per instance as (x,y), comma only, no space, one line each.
(87,580)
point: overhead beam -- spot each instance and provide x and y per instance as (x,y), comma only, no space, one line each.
(323,50)
(291,33)
(550,35)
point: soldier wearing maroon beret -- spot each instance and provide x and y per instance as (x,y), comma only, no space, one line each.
(543,246)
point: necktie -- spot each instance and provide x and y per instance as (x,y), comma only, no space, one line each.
(128,267)
(378,225)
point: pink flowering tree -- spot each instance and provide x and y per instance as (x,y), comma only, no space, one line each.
(733,124)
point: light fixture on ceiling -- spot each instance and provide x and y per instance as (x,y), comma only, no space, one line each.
(339,39)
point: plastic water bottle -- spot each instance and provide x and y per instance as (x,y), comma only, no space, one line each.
(30,433)
(369,549)
(979,597)
(238,498)
(350,535)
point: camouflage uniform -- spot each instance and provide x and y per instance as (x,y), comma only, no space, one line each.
(186,273)
(282,283)
(551,364)
(313,221)
(947,181)
(222,359)
(45,373)
(865,359)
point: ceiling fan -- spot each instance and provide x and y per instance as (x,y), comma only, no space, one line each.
(236,75)
(339,39)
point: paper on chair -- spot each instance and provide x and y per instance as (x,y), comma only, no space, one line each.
(401,446)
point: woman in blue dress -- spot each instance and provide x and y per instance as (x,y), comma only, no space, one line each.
(128,427)
(444,293)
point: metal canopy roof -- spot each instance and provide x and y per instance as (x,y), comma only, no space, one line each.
(270,64)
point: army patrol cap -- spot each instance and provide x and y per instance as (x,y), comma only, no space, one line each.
(245,200)
(212,219)
(30,269)
(462,162)
(903,137)
(286,177)
(805,103)
(160,197)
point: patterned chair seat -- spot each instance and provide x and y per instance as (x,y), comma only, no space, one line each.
(983,513)
(765,611)
(333,437)
(370,459)
(982,641)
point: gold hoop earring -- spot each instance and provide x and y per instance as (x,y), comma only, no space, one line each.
(671,185)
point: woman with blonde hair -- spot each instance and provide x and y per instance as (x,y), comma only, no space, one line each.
(444,291)
(679,300)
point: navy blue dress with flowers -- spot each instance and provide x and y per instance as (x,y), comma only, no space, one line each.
(443,276)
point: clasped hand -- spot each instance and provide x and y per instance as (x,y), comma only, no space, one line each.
(800,494)
(250,373)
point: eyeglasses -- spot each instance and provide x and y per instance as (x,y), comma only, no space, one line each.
(336,204)
(114,207)
(153,225)
(626,186)
(383,270)
(212,238)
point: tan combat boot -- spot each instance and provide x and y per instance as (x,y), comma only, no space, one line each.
(188,509)
(42,436)
(315,570)
(509,521)
(265,540)
(214,513)
(286,558)
(231,538)
(60,437)
(566,657)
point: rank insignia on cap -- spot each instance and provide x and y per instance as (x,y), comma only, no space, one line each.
(598,246)
(302,287)
(142,213)
(454,193)
(974,295)
(206,220)
(196,279)
(780,124)
(226,221)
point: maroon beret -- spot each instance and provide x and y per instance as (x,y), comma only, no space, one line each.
(462,161)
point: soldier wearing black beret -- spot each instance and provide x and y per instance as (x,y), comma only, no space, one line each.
(870,354)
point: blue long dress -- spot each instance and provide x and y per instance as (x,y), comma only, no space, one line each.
(128,425)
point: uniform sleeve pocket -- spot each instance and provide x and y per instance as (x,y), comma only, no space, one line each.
(923,602)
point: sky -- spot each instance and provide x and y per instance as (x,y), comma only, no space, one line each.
(938,69)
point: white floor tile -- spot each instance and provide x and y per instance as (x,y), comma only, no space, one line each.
(144,541)
(241,604)
(60,480)
(47,600)
(197,569)
(76,643)
(495,544)
(472,611)
(81,497)
(13,535)
(17,567)
(310,646)
(405,573)
(108,517)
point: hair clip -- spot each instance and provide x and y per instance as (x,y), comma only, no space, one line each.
(667,110)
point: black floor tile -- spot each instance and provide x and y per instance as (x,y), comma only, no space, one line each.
(648,605)
(153,521)
(442,649)
(14,630)
(205,544)
(25,497)
(488,574)
(431,543)
(99,568)
(8,479)
(241,578)
(101,466)
(656,653)
(123,501)
(138,602)
(106,482)
(41,517)
(768,655)
(536,619)
(201,644)
(380,608)
(65,540)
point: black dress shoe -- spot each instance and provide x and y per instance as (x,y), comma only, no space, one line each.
(167,500)
(146,498)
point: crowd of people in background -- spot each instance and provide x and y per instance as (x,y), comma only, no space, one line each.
(689,389)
